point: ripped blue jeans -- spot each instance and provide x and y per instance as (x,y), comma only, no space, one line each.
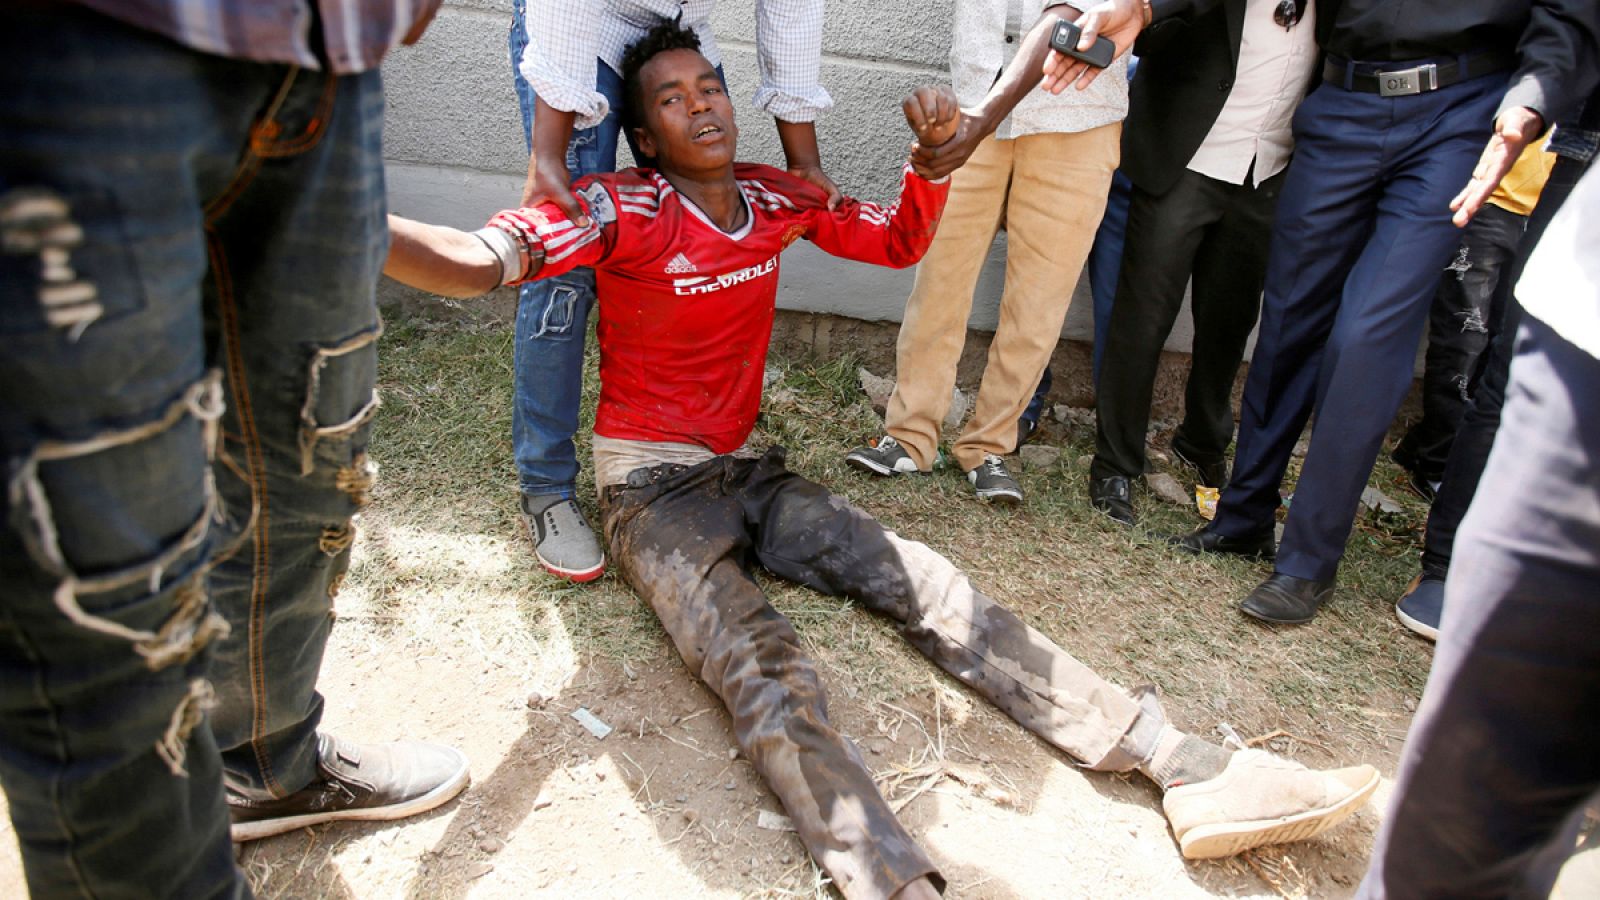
(553,314)
(188,251)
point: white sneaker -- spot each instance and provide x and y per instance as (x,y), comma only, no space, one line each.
(1262,799)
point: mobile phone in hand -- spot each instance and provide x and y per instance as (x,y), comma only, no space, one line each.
(1064,40)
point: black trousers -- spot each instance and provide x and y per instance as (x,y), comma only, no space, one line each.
(1458,336)
(1217,233)
(1470,450)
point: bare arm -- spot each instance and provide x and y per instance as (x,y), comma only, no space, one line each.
(440,260)
(804,160)
(1016,81)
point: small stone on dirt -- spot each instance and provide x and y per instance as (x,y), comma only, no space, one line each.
(537,700)
(491,845)
(716,856)
(479,869)
(877,388)
(1167,488)
(541,801)
(1377,500)
(729,786)
(599,776)
(1039,457)
(733,753)
(1074,416)
(960,405)
(691,815)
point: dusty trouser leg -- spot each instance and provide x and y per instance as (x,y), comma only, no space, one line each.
(107,418)
(684,546)
(297,326)
(807,534)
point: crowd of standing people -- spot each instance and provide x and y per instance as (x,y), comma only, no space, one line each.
(193,222)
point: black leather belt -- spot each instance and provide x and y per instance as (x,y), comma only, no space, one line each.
(1398,80)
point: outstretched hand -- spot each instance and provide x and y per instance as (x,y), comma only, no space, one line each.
(1512,132)
(1119,21)
(935,117)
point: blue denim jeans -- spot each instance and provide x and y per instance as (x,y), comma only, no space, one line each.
(188,252)
(553,314)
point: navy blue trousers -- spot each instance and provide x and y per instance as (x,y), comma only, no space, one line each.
(1362,230)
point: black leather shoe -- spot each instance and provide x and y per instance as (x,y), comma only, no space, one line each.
(1207,540)
(1114,497)
(1287,600)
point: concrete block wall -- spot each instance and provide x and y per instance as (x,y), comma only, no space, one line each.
(456,152)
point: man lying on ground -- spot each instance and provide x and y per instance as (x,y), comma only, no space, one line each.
(687,265)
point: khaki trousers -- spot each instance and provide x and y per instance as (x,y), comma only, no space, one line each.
(1051,190)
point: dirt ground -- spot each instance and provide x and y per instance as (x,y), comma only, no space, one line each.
(448,631)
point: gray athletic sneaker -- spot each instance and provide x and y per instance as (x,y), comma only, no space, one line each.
(562,539)
(993,482)
(886,457)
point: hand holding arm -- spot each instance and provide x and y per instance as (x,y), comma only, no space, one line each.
(977,123)
(804,160)
(934,116)
(1512,132)
(548,178)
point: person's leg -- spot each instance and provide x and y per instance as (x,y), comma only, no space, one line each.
(1470,450)
(1366,367)
(551,328)
(1219,804)
(1230,269)
(934,326)
(1324,214)
(1458,334)
(296,325)
(108,419)
(1501,752)
(1058,185)
(683,543)
(1164,232)
(1105,262)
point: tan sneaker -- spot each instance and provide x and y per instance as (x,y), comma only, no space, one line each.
(1262,799)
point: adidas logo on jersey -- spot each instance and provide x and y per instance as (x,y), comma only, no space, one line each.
(679,265)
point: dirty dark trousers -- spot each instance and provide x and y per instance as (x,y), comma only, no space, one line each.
(1458,336)
(688,541)
(187,354)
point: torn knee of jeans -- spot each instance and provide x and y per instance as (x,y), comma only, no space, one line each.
(339,378)
(190,628)
(1462,383)
(173,748)
(337,538)
(37,222)
(1472,322)
(356,479)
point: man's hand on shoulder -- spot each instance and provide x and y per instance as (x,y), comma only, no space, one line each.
(548,178)
(1513,130)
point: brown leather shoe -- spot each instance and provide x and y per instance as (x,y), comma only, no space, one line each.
(362,782)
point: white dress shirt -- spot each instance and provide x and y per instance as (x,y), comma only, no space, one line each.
(566,37)
(979,49)
(1275,67)
(1561,284)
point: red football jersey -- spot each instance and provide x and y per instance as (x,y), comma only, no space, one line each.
(686,309)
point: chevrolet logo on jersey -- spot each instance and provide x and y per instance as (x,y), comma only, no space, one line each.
(706,284)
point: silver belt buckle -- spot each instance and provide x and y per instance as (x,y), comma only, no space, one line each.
(1404,82)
